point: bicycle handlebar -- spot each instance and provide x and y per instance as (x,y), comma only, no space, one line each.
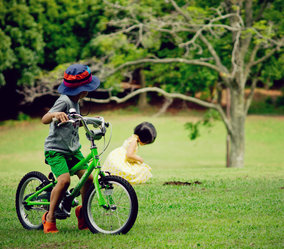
(85,121)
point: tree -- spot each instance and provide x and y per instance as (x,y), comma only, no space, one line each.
(233,40)
(227,43)
(39,35)
(21,50)
(67,28)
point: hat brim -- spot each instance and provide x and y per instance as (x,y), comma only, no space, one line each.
(93,85)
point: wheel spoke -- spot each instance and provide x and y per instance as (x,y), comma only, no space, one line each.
(30,216)
(120,212)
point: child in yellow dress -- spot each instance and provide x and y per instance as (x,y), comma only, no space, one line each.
(124,161)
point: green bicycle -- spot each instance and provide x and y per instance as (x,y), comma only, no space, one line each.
(110,206)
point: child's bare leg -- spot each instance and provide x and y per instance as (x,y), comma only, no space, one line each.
(57,194)
(87,184)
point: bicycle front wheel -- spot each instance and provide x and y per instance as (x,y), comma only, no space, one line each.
(122,207)
(30,216)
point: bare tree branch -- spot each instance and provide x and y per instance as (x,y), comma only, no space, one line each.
(210,25)
(179,10)
(267,55)
(251,94)
(252,58)
(263,7)
(267,39)
(235,55)
(169,96)
(253,53)
(167,103)
(160,91)
(214,53)
(125,30)
(200,62)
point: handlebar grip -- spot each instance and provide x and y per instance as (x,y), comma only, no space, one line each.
(94,121)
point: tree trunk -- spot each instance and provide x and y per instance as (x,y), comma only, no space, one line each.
(228,140)
(142,102)
(237,137)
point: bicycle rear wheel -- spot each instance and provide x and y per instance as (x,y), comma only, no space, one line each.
(30,216)
(121,213)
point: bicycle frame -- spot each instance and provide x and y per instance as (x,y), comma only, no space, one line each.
(93,166)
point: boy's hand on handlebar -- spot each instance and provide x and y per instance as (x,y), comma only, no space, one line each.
(60,116)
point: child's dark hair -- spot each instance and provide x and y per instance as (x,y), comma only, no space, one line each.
(146,132)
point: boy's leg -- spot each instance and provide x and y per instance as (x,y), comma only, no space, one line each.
(81,221)
(57,194)
(59,167)
(79,156)
(87,184)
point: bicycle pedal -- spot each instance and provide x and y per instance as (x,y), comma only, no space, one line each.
(75,203)
(113,207)
(60,215)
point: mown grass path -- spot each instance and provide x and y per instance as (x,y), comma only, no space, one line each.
(231,208)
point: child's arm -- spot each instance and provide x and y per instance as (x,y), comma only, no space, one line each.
(60,116)
(131,154)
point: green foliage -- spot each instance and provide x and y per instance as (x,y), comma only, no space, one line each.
(2,80)
(117,46)
(269,107)
(119,51)
(272,70)
(152,40)
(40,35)
(274,15)
(6,54)
(23,117)
(157,43)
(207,121)
(22,48)
(67,28)
(193,129)
(182,78)
(280,100)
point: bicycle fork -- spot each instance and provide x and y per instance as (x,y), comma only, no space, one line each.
(66,204)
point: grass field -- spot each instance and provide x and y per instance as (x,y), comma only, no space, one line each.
(231,208)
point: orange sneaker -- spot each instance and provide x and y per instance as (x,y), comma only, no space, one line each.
(81,221)
(48,227)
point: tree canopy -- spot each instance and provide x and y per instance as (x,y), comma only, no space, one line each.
(226,46)
(40,36)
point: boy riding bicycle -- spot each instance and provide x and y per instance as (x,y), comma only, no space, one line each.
(62,147)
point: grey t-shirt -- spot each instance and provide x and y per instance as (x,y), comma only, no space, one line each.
(64,138)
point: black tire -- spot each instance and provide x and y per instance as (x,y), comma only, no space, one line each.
(30,216)
(121,216)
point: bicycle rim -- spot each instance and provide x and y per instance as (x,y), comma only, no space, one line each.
(116,219)
(30,216)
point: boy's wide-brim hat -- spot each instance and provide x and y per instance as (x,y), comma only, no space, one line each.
(77,79)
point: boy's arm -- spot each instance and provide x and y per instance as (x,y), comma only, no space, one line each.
(131,154)
(60,116)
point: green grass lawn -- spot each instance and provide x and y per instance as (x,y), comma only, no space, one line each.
(231,208)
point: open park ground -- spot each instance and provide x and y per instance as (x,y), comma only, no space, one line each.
(222,208)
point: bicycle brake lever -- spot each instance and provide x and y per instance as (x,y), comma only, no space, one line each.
(69,121)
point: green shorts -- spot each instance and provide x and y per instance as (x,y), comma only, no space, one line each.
(60,163)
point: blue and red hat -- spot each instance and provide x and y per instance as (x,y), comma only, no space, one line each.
(78,78)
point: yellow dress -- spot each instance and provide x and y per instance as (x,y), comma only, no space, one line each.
(117,164)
